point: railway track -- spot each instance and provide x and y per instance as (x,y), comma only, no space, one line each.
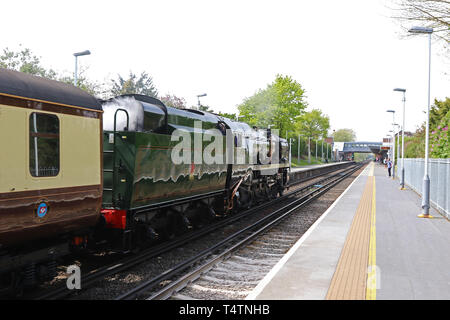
(94,276)
(185,273)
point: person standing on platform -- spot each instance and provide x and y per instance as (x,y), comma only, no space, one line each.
(389,166)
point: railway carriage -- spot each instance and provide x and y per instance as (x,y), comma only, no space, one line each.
(50,172)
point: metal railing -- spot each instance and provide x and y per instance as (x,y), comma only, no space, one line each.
(439,172)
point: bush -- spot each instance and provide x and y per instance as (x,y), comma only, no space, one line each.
(439,139)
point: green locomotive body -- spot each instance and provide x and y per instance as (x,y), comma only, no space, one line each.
(139,172)
(162,166)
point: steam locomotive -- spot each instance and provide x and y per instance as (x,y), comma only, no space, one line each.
(76,170)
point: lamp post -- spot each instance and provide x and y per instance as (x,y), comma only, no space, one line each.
(309,150)
(426,178)
(78,54)
(393,145)
(298,151)
(290,154)
(390,148)
(322,150)
(198,99)
(316,149)
(398,141)
(402,181)
(289,140)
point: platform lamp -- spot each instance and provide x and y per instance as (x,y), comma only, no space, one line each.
(78,54)
(398,141)
(402,180)
(322,150)
(390,139)
(426,178)
(393,145)
(289,141)
(298,151)
(309,150)
(198,99)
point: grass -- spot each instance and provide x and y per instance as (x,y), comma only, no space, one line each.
(304,162)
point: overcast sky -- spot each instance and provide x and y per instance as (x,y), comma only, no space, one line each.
(348,55)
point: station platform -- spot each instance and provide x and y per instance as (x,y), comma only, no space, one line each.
(313,166)
(370,244)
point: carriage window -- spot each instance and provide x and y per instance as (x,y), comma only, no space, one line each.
(44,145)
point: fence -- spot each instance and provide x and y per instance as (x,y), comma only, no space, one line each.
(439,173)
(316,148)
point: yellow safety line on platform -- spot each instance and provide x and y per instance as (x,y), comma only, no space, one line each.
(371,170)
(350,278)
(371,292)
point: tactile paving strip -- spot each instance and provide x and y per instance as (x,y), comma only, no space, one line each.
(350,278)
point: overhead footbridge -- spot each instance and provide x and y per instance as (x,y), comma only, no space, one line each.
(362,147)
(346,150)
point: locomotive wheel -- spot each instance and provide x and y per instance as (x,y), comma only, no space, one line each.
(246,197)
(245,191)
(169,230)
(266,190)
(274,190)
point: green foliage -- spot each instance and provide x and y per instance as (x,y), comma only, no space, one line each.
(359,157)
(134,85)
(304,150)
(25,61)
(313,124)
(257,109)
(440,139)
(231,116)
(344,135)
(289,102)
(278,105)
(415,146)
(205,108)
(438,111)
(83,82)
(304,162)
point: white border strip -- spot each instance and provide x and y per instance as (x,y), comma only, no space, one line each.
(264,282)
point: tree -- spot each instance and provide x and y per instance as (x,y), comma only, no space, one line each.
(231,116)
(277,105)
(257,109)
(314,125)
(427,13)
(134,85)
(438,111)
(439,137)
(205,108)
(173,101)
(84,83)
(344,135)
(25,61)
